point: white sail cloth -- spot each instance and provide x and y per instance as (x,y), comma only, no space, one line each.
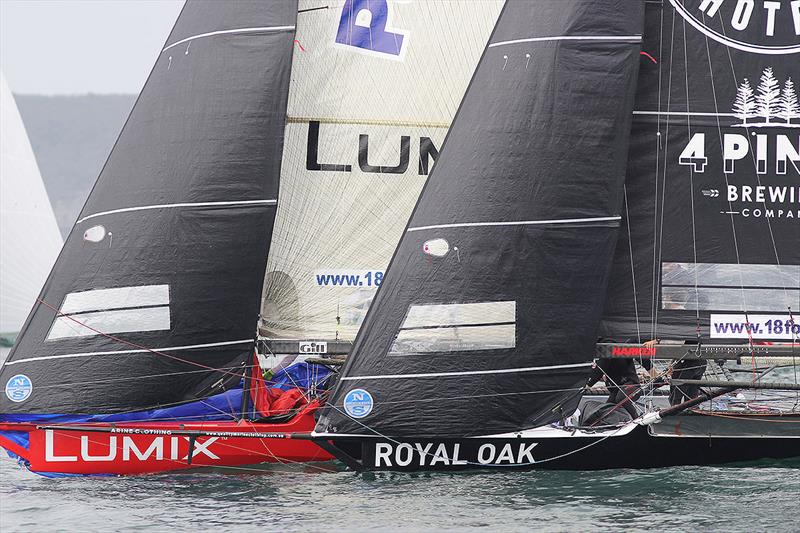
(29,236)
(374,88)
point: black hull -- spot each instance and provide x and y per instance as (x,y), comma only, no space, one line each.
(639,447)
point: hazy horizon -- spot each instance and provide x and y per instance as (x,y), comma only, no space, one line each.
(80,47)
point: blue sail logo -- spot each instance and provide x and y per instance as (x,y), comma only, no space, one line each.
(19,388)
(358,403)
(365,24)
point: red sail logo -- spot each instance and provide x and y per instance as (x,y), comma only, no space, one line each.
(632,351)
(758,26)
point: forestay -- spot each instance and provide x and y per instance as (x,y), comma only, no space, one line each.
(486,320)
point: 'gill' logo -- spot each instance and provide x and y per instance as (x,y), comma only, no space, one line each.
(758,26)
(365,24)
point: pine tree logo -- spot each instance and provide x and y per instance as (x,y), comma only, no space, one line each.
(790,107)
(773,106)
(745,105)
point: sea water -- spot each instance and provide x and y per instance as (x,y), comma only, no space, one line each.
(762,496)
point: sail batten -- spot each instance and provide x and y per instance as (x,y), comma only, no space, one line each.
(519,223)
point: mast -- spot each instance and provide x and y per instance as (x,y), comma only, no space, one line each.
(486,319)
(154,298)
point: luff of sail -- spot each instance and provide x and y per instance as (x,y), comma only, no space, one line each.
(159,278)
(487,317)
(710,244)
(29,236)
(367,117)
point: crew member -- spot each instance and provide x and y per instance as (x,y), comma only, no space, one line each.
(621,380)
(683,369)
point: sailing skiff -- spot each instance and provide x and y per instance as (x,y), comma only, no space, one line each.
(592,185)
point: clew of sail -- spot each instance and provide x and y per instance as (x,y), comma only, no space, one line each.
(155,295)
(487,316)
(374,88)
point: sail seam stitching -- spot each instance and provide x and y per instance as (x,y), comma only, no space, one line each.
(620,38)
(265,29)
(469,372)
(518,223)
(120,352)
(190,204)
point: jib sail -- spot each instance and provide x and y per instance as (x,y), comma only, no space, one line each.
(487,316)
(374,87)
(155,296)
(710,240)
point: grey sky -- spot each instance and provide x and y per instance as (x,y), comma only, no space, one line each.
(75,47)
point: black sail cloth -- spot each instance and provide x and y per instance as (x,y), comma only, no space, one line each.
(169,251)
(487,316)
(712,218)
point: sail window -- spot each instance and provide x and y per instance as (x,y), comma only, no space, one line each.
(729,287)
(456,328)
(118,310)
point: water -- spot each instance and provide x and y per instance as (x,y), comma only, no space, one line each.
(756,497)
(676,499)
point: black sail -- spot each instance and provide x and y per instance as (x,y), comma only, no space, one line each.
(711,233)
(159,281)
(488,312)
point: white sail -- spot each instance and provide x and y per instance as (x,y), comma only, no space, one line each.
(374,87)
(29,236)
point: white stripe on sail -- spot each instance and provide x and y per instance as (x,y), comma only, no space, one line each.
(115,298)
(167,206)
(116,321)
(683,114)
(610,38)
(518,223)
(469,372)
(266,29)
(123,352)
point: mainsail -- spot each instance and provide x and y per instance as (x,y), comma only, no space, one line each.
(374,88)
(158,283)
(710,243)
(487,316)
(29,236)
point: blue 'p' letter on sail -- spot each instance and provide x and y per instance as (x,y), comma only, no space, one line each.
(364,25)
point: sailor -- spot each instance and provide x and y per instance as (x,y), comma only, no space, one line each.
(683,369)
(621,380)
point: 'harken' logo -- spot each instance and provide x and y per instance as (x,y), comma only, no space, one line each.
(758,26)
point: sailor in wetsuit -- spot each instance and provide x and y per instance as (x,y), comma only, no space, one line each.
(621,379)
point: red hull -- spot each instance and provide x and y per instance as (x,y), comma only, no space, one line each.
(150,447)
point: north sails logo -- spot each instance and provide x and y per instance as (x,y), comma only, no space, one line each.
(758,26)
